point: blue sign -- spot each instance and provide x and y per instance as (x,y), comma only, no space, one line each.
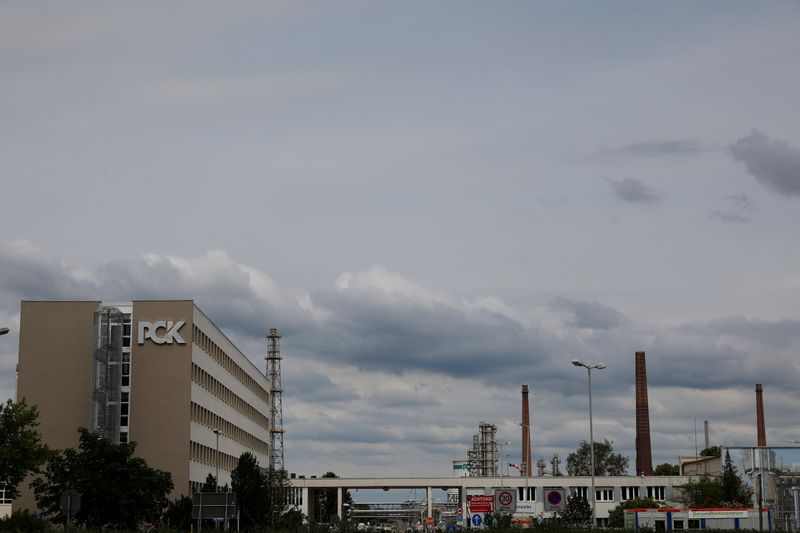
(476,520)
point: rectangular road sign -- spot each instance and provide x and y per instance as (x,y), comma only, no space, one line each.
(481,504)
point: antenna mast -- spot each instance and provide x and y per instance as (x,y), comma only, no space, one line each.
(276,405)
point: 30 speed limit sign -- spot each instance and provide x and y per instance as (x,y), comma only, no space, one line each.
(505,500)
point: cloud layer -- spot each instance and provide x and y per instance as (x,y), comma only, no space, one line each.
(384,375)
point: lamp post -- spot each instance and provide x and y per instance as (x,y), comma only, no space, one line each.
(216,459)
(500,445)
(589,368)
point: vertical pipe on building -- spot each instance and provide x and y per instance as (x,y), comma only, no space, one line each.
(644,457)
(526,433)
(760,426)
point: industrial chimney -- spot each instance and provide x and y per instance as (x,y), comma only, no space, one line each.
(526,433)
(761,427)
(644,454)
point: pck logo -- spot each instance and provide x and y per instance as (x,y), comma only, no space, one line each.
(150,330)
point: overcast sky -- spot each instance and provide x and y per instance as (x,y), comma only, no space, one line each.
(434,203)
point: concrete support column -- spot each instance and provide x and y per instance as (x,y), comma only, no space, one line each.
(305,507)
(429,491)
(796,494)
(462,496)
(339,502)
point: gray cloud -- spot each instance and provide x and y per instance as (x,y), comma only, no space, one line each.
(633,191)
(589,315)
(670,147)
(772,162)
(741,208)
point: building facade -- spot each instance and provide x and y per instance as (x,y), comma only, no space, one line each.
(157,372)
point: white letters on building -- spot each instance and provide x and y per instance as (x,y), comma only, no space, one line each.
(150,330)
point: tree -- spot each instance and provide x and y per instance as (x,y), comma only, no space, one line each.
(606,462)
(118,490)
(210,484)
(616,516)
(728,490)
(22,451)
(734,491)
(578,512)
(179,514)
(248,484)
(666,469)
(326,501)
(711,451)
(276,495)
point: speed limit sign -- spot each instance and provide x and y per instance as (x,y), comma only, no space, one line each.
(505,500)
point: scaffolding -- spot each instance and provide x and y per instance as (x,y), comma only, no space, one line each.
(276,430)
(107,373)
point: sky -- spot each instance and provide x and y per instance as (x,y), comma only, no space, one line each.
(433,202)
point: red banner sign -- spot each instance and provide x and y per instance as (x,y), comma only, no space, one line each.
(481,504)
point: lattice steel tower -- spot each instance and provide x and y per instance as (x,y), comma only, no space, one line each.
(276,407)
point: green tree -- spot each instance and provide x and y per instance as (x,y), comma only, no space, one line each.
(616,516)
(118,490)
(701,491)
(210,484)
(178,514)
(326,501)
(666,469)
(249,484)
(276,495)
(711,451)
(606,462)
(22,451)
(577,512)
(734,491)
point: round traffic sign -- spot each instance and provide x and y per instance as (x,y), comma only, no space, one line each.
(554,497)
(460,511)
(505,498)
(476,520)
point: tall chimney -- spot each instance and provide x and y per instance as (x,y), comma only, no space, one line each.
(762,430)
(644,455)
(526,433)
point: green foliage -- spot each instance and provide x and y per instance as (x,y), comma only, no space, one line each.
(210,484)
(498,520)
(248,484)
(118,490)
(728,490)
(616,516)
(666,469)
(326,502)
(21,448)
(179,514)
(21,522)
(578,512)
(711,451)
(606,462)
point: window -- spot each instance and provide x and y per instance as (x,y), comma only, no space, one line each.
(677,524)
(604,494)
(5,497)
(580,491)
(656,493)
(526,494)
(629,493)
(694,524)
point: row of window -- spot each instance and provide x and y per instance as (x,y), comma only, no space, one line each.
(208,455)
(215,387)
(203,416)
(224,360)
(5,496)
(602,494)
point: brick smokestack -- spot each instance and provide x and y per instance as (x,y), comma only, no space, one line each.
(526,432)
(761,427)
(644,454)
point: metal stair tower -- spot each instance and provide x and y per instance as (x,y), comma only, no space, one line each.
(276,405)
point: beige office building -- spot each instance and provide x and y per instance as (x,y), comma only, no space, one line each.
(156,372)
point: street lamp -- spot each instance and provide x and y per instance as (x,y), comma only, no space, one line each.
(3,331)
(500,445)
(216,460)
(589,368)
